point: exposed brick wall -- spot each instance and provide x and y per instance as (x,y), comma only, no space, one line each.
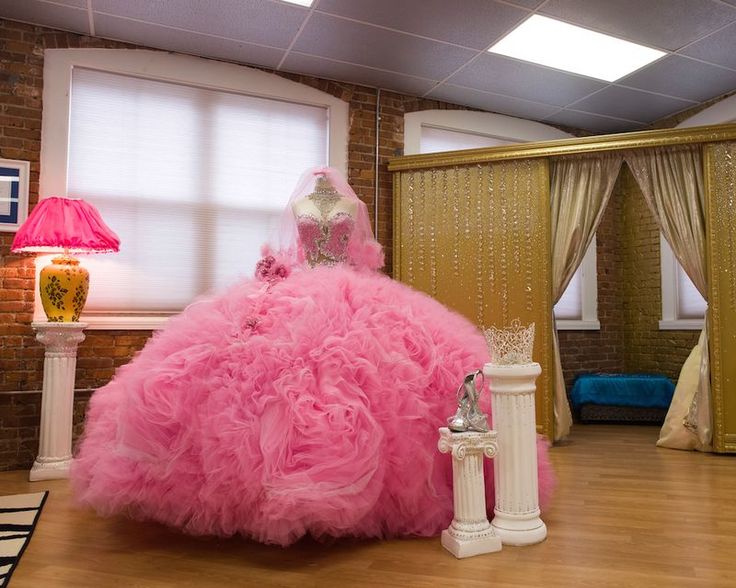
(646,348)
(20,415)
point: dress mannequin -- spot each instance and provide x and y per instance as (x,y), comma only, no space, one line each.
(325,221)
(324,203)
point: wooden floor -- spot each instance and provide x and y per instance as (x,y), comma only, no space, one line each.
(626,514)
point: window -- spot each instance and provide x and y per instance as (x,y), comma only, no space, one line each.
(192,178)
(683,308)
(682,305)
(434,139)
(577,309)
(431,131)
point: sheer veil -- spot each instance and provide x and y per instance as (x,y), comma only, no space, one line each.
(364,252)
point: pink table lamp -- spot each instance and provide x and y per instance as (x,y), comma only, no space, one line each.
(66,226)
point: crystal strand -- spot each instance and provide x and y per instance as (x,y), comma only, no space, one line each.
(468,235)
(456,223)
(515,226)
(432,242)
(444,233)
(727,215)
(531,235)
(466,215)
(412,236)
(480,229)
(491,257)
(420,223)
(728,164)
(504,228)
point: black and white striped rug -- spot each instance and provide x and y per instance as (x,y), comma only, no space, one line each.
(18,517)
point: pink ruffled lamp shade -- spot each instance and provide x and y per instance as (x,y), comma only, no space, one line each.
(64,225)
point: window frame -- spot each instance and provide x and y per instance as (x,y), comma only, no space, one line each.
(164,67)
(488,124)
(589,295)
(670,288)
(722,112)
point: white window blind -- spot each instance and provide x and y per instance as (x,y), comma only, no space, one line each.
(434,139)
(193,181)
(569,306)
(682,305)
(690,304)
(578,307)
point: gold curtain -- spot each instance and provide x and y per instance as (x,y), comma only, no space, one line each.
(579,192)
(671,179)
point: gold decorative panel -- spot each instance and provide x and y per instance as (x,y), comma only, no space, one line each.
(476,238)
(720,163)
(471,228)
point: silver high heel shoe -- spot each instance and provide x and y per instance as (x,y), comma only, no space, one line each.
(469,417)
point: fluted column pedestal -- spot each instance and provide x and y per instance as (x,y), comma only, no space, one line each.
(516,516)
(57,402)
(470,533)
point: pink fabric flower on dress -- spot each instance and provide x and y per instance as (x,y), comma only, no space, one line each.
(271,268)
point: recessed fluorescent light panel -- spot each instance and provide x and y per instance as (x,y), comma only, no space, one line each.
(299,2)
(564,46)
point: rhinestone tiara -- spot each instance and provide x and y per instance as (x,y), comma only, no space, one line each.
(511,345)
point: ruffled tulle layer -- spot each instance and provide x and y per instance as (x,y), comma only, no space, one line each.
(310,407)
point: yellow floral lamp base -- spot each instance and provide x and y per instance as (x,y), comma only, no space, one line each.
(63,286)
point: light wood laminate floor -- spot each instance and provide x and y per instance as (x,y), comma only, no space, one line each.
(625,514)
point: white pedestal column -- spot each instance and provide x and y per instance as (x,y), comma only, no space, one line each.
(516,519)
(470,533)
(57,402)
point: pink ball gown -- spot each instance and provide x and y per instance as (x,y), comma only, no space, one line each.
(306,402)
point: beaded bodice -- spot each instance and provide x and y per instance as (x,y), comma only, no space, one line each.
(325,241)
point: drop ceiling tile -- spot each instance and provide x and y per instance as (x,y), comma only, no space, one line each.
(592,122)
(717,48)
(667,24)
(531,4)
(631,104)
(471,23)
(255,21)
(502,75)
(43,13)
(683,78)
(158,37)
(346,72)
(74,3)
(492,102)
(344,40)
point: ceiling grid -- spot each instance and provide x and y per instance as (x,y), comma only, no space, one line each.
(436,49)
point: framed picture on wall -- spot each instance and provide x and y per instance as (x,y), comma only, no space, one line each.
(13,193)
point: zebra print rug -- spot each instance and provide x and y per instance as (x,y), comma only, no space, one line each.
(18,517)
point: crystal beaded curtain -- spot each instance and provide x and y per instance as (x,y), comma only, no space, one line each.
(476,238)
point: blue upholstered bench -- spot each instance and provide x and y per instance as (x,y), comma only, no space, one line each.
(621,397)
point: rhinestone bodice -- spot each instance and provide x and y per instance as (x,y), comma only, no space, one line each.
(325,242)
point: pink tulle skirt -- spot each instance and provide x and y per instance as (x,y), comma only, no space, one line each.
(307,408)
